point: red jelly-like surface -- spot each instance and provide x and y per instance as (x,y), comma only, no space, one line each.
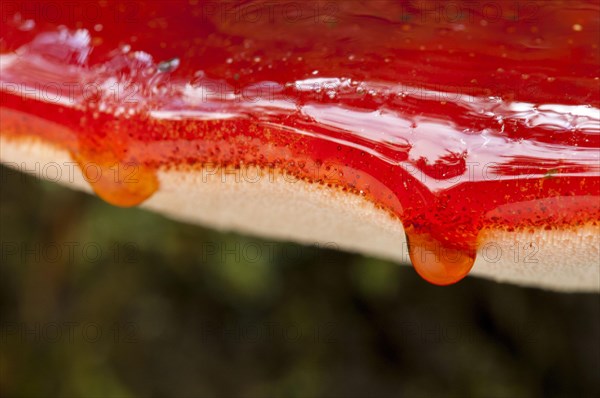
(453,116)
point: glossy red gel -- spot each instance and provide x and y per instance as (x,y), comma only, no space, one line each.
(453,125)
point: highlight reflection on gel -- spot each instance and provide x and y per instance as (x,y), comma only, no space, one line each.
(451,128)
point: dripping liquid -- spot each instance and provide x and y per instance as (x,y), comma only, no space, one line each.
(463,152)
(437,263)
(121,184)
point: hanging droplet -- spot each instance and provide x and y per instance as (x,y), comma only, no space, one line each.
(118,183)
(436,263)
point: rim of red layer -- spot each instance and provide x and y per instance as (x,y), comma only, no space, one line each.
(451,124)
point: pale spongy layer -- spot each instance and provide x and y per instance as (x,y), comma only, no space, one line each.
(274,206)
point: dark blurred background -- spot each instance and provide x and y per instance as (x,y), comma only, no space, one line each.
(98,301)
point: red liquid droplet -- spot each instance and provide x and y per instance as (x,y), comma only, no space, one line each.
(438,264)
(118,183)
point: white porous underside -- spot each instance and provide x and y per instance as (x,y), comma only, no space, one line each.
(275,207)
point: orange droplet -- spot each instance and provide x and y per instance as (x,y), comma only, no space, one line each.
(436,263)
(119,183)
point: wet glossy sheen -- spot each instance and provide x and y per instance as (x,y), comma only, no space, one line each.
(452,123)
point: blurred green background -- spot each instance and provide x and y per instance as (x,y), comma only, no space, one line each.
(98,301)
